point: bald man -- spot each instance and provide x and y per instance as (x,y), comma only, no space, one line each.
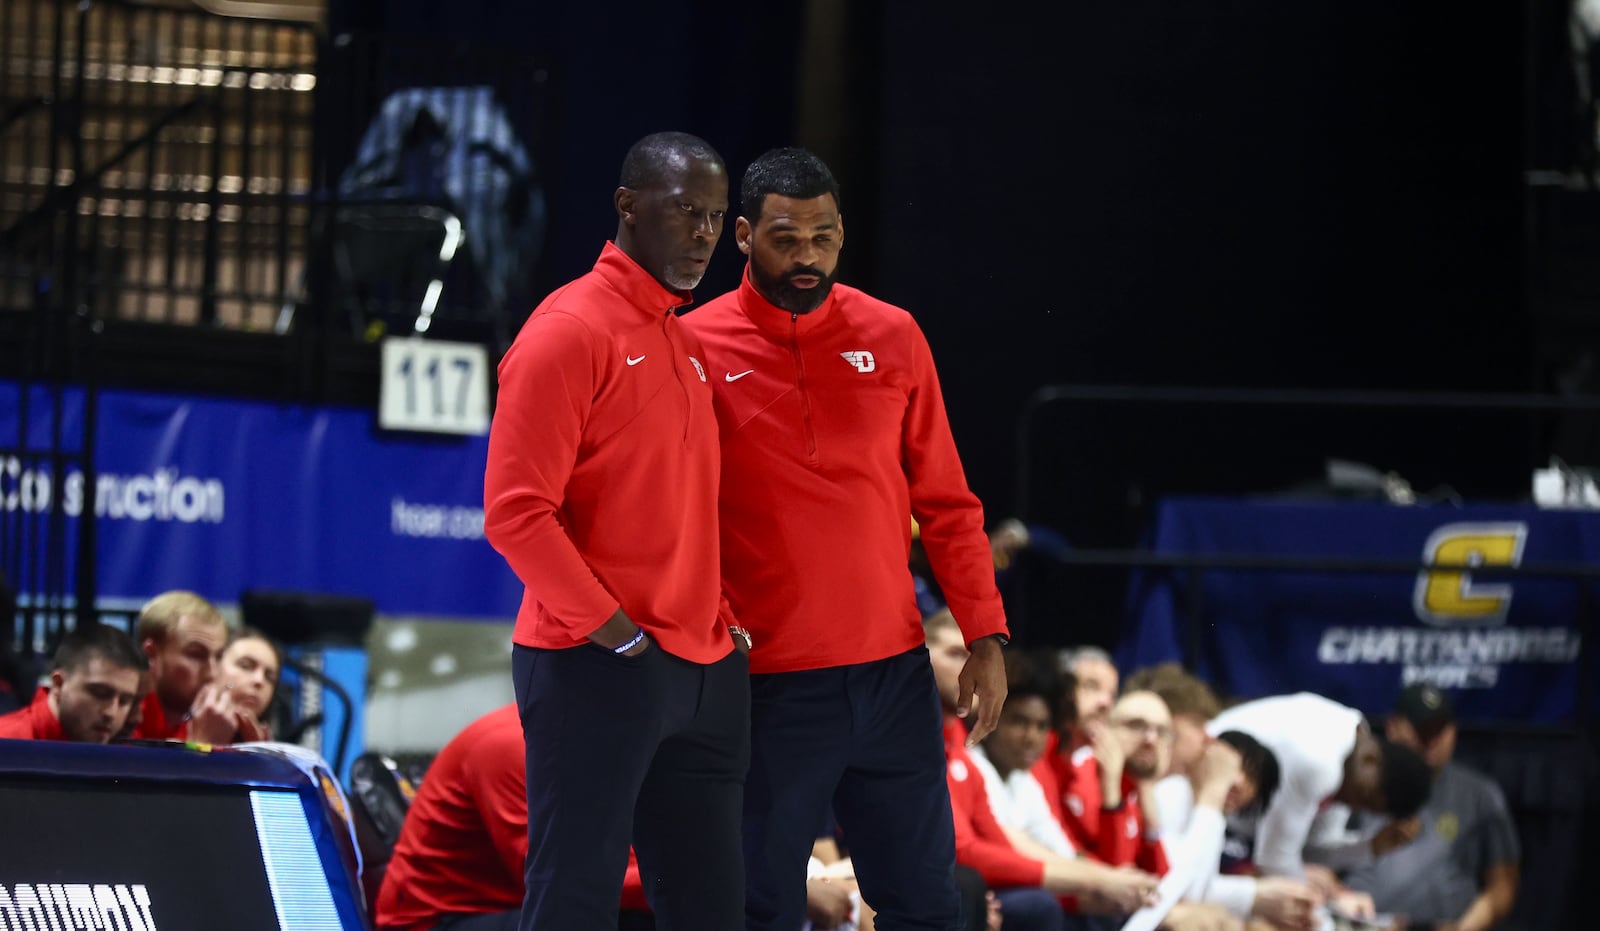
(601,493)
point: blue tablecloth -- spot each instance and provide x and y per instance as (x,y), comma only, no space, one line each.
(1506,647)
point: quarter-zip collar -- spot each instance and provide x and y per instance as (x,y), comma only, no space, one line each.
(774,320)
(637,286)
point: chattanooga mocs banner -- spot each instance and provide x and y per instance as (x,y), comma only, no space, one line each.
(1507,646)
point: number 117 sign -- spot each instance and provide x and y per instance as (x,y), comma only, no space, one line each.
(434,386)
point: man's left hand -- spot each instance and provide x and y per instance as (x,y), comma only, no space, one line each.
(983,682)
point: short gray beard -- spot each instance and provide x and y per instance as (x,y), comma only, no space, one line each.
(680,282)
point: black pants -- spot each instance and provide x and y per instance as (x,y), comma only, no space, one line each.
(974,899)
(865,738)
(485,921)
(507,921)
(650,749)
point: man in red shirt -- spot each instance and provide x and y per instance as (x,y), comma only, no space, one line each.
(834,436)
(1027,884)
(94,685)
(1107,786)
(459,860)
(1093,690)
(601,494)
(183,634)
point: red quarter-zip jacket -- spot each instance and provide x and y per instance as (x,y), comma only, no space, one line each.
(1112,835)
(834,435)
(34,721)
(980,841)
(601,485)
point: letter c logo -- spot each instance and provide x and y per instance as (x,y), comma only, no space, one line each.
(1448,597)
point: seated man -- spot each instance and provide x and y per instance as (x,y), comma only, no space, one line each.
(1212,778)
(1006,757)
(1461,872)
(459,861)
(1191,705)
(1326,754)
(1026,886)
(183,634)
(1093,683)
(93,686)
(1107,800)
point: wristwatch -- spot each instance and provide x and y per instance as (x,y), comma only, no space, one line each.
(1002,639)
(740,632)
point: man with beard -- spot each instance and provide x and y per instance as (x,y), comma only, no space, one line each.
(1107,793)
(834,436)
(601,493)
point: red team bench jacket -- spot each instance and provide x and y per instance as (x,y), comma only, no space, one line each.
(601,481)
(1116,836)
(980,841)
(834,434)
(33,721)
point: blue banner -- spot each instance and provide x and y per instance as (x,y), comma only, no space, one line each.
(218,496)
(1506,646)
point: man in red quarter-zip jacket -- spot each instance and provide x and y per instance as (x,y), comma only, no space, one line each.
(600,492)
(833,436)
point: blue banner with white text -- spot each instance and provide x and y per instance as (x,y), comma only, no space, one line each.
(1508,647)
(218,496)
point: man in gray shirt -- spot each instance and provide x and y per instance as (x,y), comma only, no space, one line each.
(1460,873)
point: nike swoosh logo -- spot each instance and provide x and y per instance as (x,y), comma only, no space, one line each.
(633,361)
(732,377)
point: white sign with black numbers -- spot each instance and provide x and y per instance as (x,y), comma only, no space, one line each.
(434,386)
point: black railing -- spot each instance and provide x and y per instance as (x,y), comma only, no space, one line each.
(171,216)
(155,162)
(1203,409)
(1069,484)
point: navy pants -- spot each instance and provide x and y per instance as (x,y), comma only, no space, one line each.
(507,921)
(484,921)
(866,740)
(1030,910)
(648,749)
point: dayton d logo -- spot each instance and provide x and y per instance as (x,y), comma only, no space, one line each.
(1448,597)
(860,358)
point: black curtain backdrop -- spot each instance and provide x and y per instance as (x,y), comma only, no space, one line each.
(1321,194)
(618,71)
(1324,194)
